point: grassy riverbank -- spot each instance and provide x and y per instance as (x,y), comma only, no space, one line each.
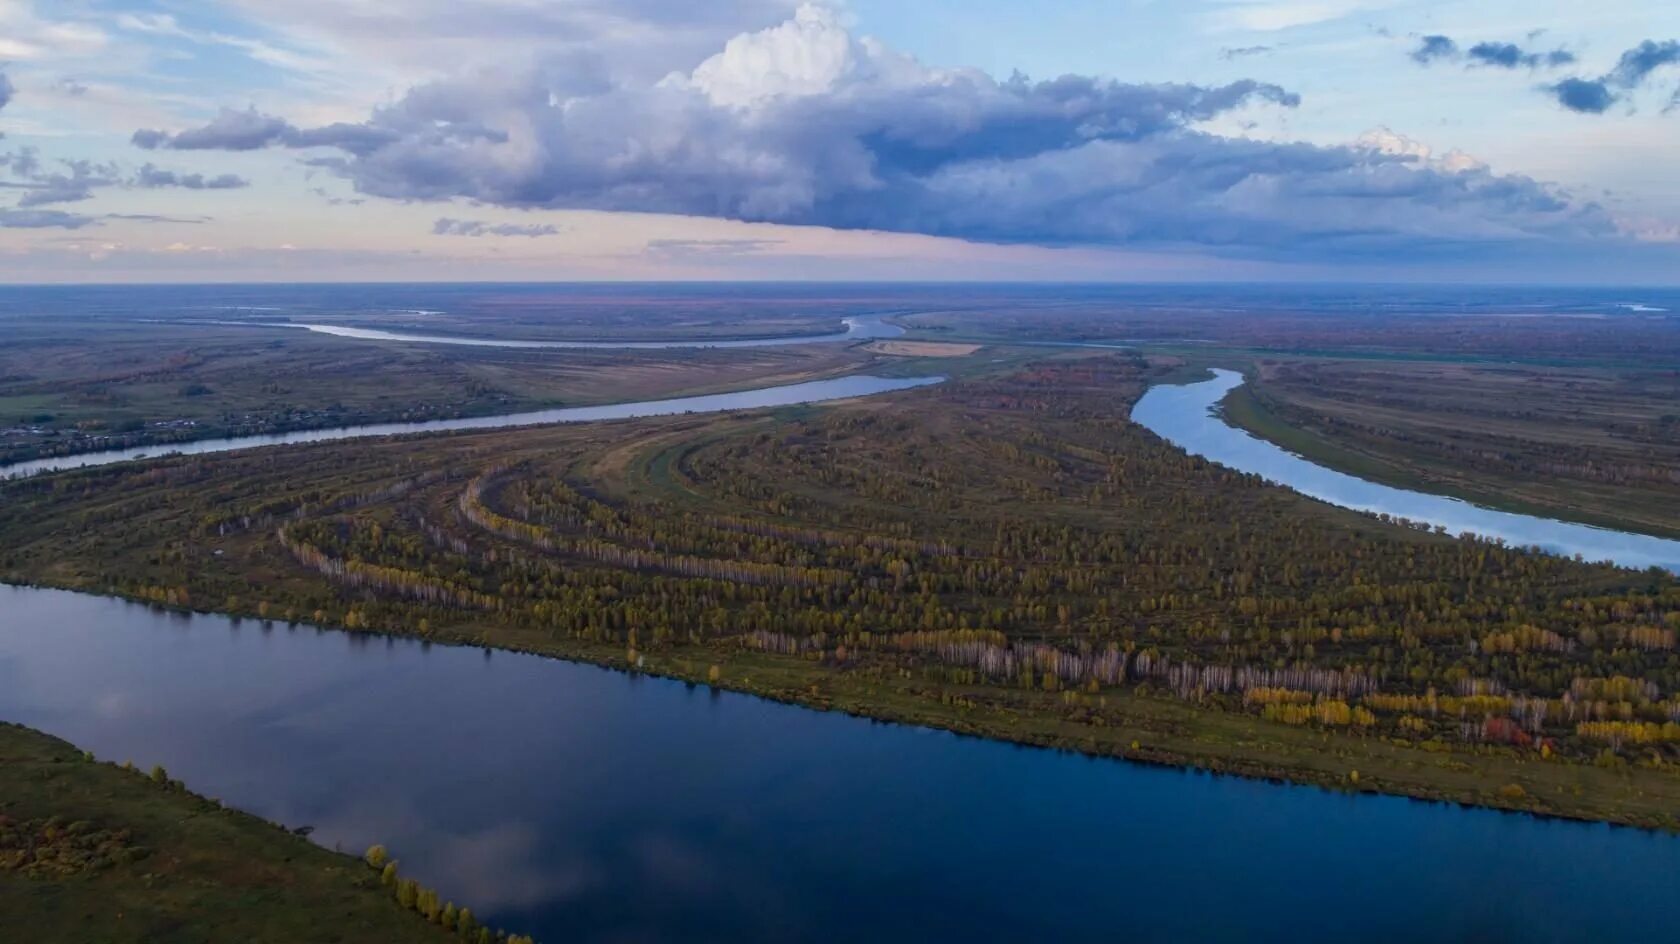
(92,851)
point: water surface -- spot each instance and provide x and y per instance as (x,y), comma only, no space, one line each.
(857,329)
(584,805)
(1186,415)
(815,391)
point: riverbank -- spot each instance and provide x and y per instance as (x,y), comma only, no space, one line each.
(1127,724)
(92,851)
(1192,417)
(1431,450)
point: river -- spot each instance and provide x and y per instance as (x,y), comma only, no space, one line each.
(1186,415)
(583,805)
(814,391)
(861,328)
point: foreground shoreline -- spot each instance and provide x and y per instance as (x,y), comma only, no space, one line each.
(90,850)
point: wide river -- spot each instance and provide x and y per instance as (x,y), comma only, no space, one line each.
(581,804)
(1186,416)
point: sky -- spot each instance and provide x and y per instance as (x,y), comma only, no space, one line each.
(1508,141)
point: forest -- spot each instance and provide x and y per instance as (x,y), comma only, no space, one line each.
(1004,555)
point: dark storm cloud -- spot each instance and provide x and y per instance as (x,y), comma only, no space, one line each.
(803,124)
(452,227)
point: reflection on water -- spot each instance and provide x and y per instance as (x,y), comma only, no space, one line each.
(814,391)
(1185,416)
(581,804)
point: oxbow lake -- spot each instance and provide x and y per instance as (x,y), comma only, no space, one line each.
(585,805)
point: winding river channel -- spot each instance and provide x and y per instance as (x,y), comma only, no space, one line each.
(814,391)
(582,804)
(1186,415)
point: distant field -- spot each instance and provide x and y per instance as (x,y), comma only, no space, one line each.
(1591,444)
(81,385)
(922,348)
(1536,340)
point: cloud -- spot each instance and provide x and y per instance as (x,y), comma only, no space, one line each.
(7,90)
(251,130)
(1385,141)
(1590,96)
(79,179)
(803,123)
(451,227)
(1577,94)
(1596,96)
(1512,56)
(1499,55)
(1431,48)
(26,36)
(708,248)
(150,176)
(614,41)
(1276,15)
(43,188)
(1639,62)
(157,218)
(42,219)
(1241,52)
